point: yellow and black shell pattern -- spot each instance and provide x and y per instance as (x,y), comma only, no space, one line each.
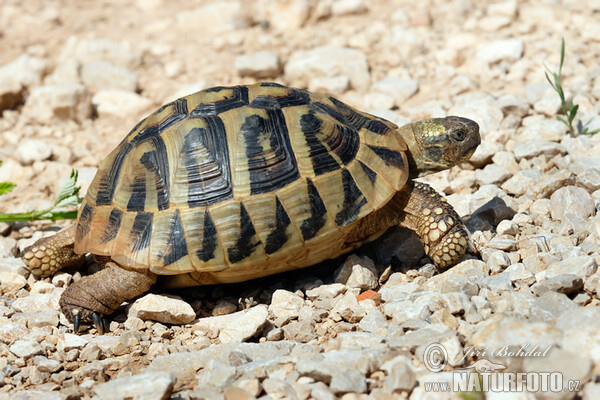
(240,182)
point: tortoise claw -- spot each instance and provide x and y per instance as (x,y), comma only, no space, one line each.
(76,321)
(97,319)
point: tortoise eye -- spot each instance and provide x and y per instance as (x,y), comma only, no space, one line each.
(458,135)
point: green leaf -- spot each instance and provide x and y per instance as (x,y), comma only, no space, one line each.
(6,187)
(67,191)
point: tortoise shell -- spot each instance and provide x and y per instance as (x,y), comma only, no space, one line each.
(240,182)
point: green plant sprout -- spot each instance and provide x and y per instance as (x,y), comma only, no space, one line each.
(68,196)
(6,187)
(568,109)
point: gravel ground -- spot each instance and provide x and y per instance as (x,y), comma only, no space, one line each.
(76,76)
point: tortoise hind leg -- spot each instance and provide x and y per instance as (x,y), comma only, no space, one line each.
(94,296)
(50,254)
(437,224)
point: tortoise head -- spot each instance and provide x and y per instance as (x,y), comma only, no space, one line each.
(437,144)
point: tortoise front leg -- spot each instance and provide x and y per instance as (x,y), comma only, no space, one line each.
(94,296)
(439,227)
(50,254)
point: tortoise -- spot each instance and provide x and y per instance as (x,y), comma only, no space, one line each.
(235,183)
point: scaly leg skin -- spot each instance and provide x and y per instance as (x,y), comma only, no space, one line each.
(439,227)
(100,294)
(50,254)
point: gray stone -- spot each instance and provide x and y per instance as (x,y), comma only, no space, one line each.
(400,89)
(520,275)
(564,283)
(168,309)
(500,331)
(186,364)
(357,272)
(8,247)
(260,65)
(41,318)
(72,341)
(216,17)
(500,50)
(247,325)
(571,200)
(587,170)
(149,385)
(571,366)
(348,7)
(347,307)
(413,339)
(582,266)
(549,306)
(534,148)
(484,152)
(461,284)
(36,394)
(400,376)
(23,73)
(26,349)
(360,340)
(119,103)
(374,322)
(103,75)
(591,391)
(283,16)
(66,102)
(540,127)
(37,302)
(492,174)
(9,332)
(497,283)
(335,85)
(236,327)
(285,306)
(216,373)
(100,49)
(520,182)
(11,282)
(328,61)
(300,331)
(46,365)
(340,379)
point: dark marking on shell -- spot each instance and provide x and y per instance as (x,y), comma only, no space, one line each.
(246,242)
(322,161)
(392,158)
(278,237)
(180,106)
(141,230)
(295,98)
(83,223)
(209,177)
(137,200)
(271,163)
(271,84)
(377,127)
(369,172)
(108,181)
(239,99)
(209,239)
(317,219)
(113,226)
(354,199)
(342,113)
(177,241)
(340,140)
(157,162)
